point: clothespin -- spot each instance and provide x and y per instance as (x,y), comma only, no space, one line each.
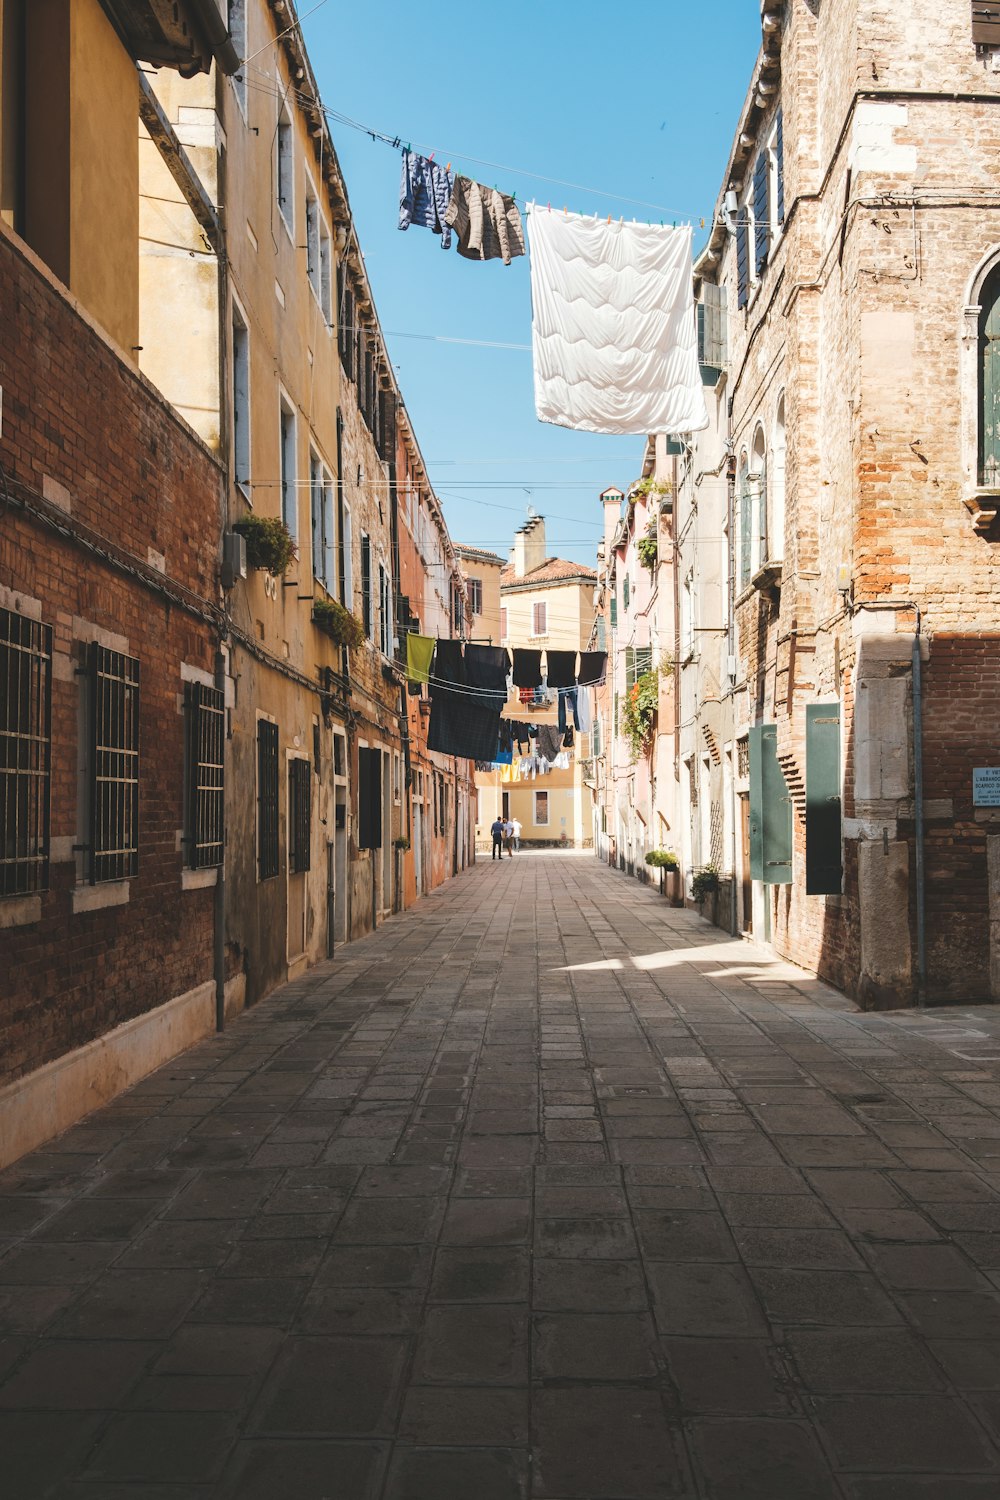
(448,167)
(431,157)
(609,218)
(703,223)
(565,212)
(408,146)
(550,208)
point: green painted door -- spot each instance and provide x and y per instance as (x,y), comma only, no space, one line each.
(770,810)
(824,864)
(756,805)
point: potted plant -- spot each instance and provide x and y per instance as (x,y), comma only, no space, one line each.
(402,842)
(663,860)
(704,884)
(270,544)
(337,622)
(639,712)
(648,549)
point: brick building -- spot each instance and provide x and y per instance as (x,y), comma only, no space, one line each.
(203,756)
(109,605)
(857,251)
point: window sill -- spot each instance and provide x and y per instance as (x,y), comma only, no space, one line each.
(767,577)
(199,880)
(984,507)
(20,911)
(97,897)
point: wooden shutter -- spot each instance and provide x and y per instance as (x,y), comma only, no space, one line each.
(762,225)
(614,613)
(267,800)
(742,262)
(300,816)
(711,328)
(824,861)
(779,156)
(366,584)
(369,799)
(770,810)
(629,668)
(986,23)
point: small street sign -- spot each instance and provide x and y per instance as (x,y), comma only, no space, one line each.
(986,786)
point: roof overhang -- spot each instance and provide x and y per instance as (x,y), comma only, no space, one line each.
(184,34)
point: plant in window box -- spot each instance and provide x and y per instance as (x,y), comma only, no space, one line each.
(662,859)
(402,842)
(337,622)
(270,544)
(647,549)
(639,712)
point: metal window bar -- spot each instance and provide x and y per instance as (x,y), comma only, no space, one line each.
(114,765)
(25,753)
(206,772)
(299,819)
(267,800)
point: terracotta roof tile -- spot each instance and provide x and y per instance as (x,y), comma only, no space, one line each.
(552,570)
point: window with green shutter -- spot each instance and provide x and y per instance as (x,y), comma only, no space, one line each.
(770,810)
(614,613)
(824,860)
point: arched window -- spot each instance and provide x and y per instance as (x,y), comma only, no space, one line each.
(989,382)
(776,527)
(758,489)
(746,521)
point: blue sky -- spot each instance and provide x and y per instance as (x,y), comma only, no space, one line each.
(637,100)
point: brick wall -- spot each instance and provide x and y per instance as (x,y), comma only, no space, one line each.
(76,413)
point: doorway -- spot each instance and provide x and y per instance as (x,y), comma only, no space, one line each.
(746,884)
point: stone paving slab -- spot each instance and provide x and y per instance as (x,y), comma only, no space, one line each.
(545,1191)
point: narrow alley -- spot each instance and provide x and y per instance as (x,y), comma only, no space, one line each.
(544,1189)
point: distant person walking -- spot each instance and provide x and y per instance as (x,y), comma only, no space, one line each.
(508,838)
(516,835)
(496,829)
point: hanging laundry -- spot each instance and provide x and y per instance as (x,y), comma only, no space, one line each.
(486,668)
(506,737)
(487,222)
(562,761)
(593,668)
(568,699)
(460,725)
(425,191)
(561,667)
(526,695)
(521,735)
(613,331)
(584,710)
(549,741)
(527,668)
(568,738)
(419,654)
(510,772)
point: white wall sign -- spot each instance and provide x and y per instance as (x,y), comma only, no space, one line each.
(986,786)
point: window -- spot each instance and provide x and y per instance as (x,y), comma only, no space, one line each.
(25,753)
(711,331)
(384,611)
(539,619)
(776,495)
(396,779)
(746,522)
(758,499)
(205,836)
(299,816)
(503,622)
(614,612)
(625,592)
(638,661)
(113,765)
(241,401)
(325,273)
(776,158)
(289,496)
(742,258)
(366,586)
(285,182)
(323,537)
(348,599)
(267,799)
(475,587)
(238,35)
(369,798)
(761,214)
(312,241)
(989,382)
(541,809)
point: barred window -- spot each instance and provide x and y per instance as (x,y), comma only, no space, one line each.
(299,816)
(25,753)
(267,799)
(113,765)
(205,835)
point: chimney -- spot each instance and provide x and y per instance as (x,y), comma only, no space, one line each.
(611,499)
(528,552)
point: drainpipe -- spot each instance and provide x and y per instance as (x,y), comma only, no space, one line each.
(220,875)
(918,816)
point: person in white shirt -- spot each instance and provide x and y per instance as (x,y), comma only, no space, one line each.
(516,834)
(508,837)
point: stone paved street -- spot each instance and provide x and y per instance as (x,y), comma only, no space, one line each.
(544,1190)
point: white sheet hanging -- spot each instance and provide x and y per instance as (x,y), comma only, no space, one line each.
(613,331)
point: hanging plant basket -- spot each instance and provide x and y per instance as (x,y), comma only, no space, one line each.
(639,712)
(704,883)
(662,859)
(270,544)
(337,622)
